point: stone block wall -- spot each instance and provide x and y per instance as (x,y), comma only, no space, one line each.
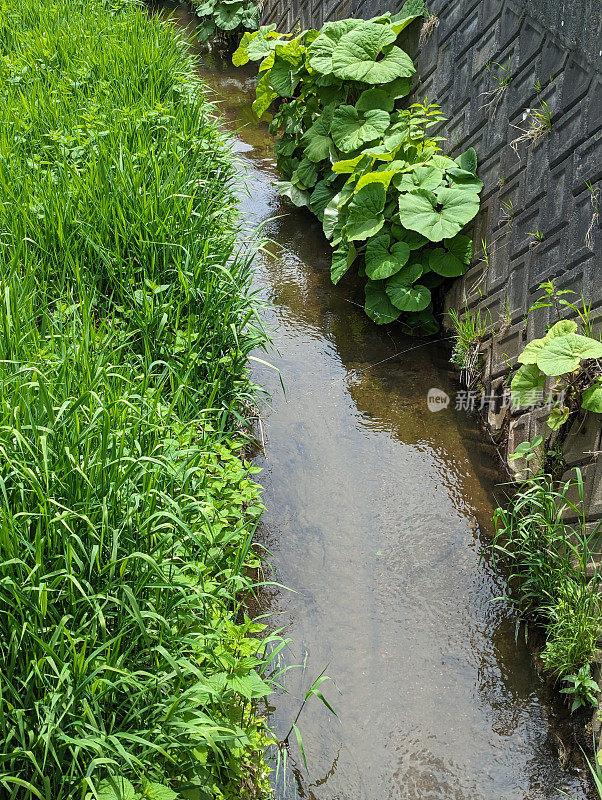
(538,219)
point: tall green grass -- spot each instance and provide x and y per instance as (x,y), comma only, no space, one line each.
(553,565)
(127,665)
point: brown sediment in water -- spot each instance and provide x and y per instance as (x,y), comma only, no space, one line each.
(378,514)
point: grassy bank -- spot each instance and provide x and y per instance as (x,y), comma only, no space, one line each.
(127,514)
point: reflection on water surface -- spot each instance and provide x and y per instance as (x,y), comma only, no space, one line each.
(377,514)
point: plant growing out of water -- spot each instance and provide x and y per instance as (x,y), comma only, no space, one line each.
(371,171)
(552,563)
(583,689)
(574,624)
(226,20)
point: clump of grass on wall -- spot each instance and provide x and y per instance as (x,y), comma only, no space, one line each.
(544,537)
(129,668)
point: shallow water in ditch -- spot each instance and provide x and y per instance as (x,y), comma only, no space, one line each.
(378,513)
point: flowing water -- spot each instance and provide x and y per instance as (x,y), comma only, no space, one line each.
(378,514)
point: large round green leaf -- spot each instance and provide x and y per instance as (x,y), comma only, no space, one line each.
(463,178)
(442,162)
(342,258)
(527,386)
(320,198)
(444,263)
(297,196)
(414,240)
(355,56)
(378,306)
(228,17)
(260,44)
(375,98)
(365,213)
(330,216)
(351,129)
(397,134)
(411,10)
(284,76)
(409,274)
(316,139)
(407,297)
(382,260)
(561,329)
(531,351)
(564,353)
(264,95)
(461,247)
(398,88)
(306,173)
(380,176)
(557,418)
(468,160)
(437,215)
(535,346)
(425,177)
(321,49)
(592,398)
(205,30)
(205,8)
(251,16)
(116,788)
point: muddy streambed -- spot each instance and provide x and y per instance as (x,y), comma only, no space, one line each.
(378,512)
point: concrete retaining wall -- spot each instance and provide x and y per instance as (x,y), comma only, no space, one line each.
(552,52)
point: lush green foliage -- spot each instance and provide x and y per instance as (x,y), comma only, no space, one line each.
(583,689)
(369,170)
(469,331)
(127,511)
(549,558)
(226,19)
(572,357)
(573,627)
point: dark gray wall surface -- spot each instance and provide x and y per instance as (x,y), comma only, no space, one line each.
(542,187)
(552,51)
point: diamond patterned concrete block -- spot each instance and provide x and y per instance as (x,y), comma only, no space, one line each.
(553,51)
(589,474)
(584,440)
(518,431)
(497,410)
(595,500)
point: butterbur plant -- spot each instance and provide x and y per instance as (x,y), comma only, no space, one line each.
(571,357)
(390,203)
(226,19)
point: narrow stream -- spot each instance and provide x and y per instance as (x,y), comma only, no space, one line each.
(378,512)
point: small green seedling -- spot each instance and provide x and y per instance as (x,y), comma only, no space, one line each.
(583,689)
